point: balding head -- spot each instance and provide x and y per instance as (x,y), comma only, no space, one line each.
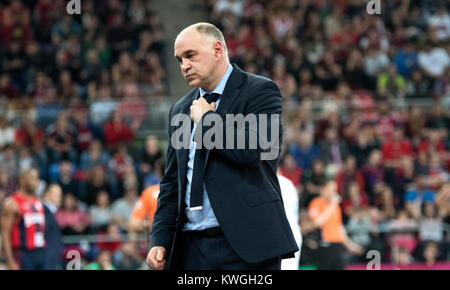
(53,194)
(201,51)
(210,32)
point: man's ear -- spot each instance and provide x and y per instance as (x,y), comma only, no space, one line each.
(218,49)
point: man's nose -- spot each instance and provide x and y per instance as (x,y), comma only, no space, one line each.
(185,65)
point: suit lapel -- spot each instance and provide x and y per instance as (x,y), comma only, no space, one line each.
(231,91)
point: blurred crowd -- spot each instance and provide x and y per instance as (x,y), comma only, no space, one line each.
(366,102)
(56,65)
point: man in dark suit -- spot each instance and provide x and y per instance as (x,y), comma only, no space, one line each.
(52,201)
(220,208)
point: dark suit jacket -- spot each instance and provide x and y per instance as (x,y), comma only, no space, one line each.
(243,189)
(53,240)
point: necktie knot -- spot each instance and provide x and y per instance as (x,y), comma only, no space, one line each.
(211,97)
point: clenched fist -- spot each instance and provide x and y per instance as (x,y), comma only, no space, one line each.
(200,107)
(156,259)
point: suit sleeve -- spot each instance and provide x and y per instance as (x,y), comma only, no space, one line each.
(265,99)
(164,222)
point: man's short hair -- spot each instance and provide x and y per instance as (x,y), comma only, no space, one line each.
(208,29)
(49,186)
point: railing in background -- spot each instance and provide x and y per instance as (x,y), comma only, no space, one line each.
(154,112)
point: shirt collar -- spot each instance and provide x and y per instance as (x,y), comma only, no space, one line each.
(221,85)
(53,208)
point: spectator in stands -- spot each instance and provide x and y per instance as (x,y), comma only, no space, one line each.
(35,63)
(94,156)
(64,28)
(360,226)
(86,130)
(433,60)
(375,62)
(92,68)
(433,144)
(290,170)
(66,180)
(405,59)
(25,160)
(128,180)
(66,88)
(116,132)
(348,174)
(430,253)
(438,119)
(232,6)
(6,132)
(328,72)
(8,182)
(443,202)
(14,63)
(284,80)
(386,119)
(415,123)
(103,262)
(353,200)
(430,224)
(303,150)
(305,86)
(390,84)
(440,23)
(29,135)
(110,239)
(61,139)
(72,219)
(125,69)
(8,160)
(150,155)
(312,179)
(120,161)
(418,86)
(395,149)
(330,119)
(123,207)
(385,203)
(333,150)
(364,144)
(355,73)
(402,233)
(7,89)
(402,256)
(437,174)
(128,257)
(100,213)
(96,182)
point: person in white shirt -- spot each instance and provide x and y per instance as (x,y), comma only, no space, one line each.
(433,60)
(6,132)
(236,7)
(441,23)
(290,201)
